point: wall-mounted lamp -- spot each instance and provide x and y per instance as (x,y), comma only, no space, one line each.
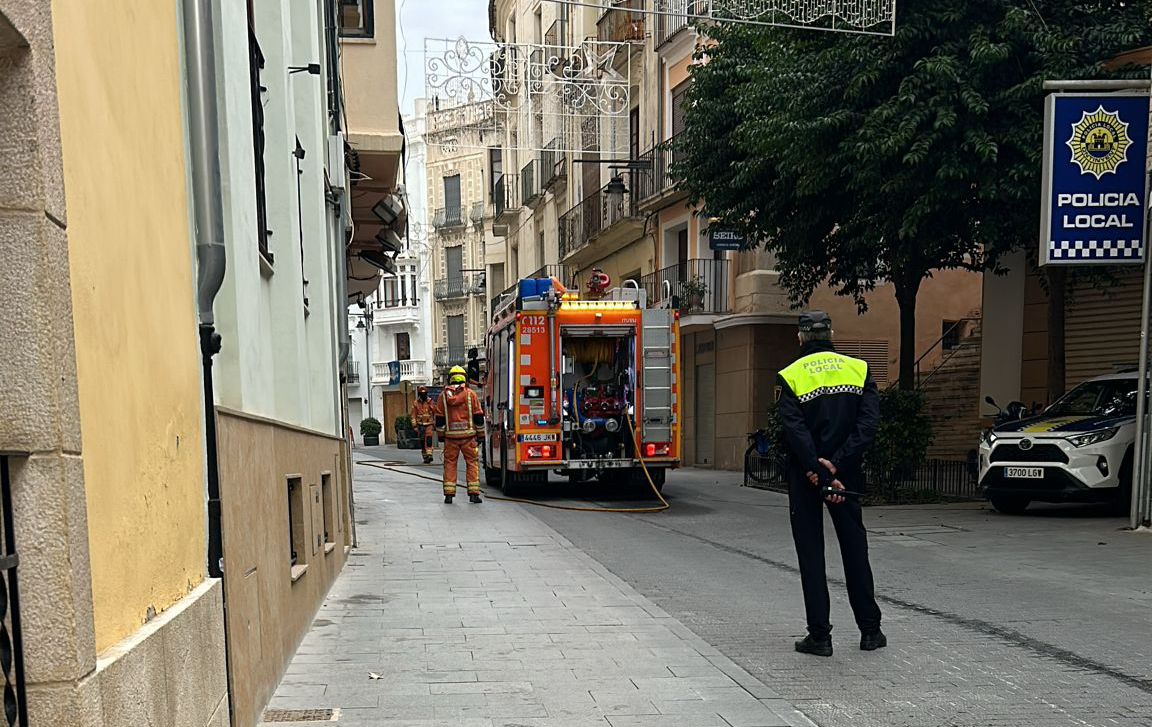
(311,69)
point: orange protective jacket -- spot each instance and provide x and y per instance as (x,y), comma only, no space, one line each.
(457,410)
(422,412)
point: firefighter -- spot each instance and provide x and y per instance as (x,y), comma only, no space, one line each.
(829,409)
(459,417)
(422,417)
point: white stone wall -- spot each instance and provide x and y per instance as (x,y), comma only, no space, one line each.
(279,357)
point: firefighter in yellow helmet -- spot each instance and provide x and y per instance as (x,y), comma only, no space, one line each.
(459,419)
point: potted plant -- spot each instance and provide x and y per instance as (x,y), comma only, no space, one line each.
(370,429)
(406,435)
(694,289)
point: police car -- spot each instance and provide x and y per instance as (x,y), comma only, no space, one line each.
(1078,450)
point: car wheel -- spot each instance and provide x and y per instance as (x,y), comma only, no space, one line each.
(1010,505)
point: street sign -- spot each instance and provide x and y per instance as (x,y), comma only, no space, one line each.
(724,238)
(1095,191)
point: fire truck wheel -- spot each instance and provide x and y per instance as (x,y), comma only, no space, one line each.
(641,482)
(491,477)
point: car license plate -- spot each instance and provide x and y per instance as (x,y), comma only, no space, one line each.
(1027,473)
(537,437)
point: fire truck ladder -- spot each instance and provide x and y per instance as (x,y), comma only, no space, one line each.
(658,375)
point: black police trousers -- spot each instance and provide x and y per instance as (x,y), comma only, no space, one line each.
(806,507)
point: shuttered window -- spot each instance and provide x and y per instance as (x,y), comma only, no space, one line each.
(1102,327)
(875,353)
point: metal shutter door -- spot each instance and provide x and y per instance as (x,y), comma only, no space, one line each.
(1102,327)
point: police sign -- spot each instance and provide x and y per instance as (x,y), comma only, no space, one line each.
(1095,162)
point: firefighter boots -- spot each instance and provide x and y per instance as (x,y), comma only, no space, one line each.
(473,497)
(448,499)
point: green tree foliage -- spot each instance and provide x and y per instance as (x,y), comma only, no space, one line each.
(864,159)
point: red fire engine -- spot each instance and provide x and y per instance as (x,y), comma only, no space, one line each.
(586,388)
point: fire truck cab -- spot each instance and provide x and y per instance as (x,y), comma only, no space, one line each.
(585,388)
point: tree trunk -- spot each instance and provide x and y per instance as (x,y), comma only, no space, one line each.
(1057,284)
(906,298)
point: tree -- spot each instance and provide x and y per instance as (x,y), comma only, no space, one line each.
(864,159)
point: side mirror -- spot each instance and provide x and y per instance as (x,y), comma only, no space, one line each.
(991,402)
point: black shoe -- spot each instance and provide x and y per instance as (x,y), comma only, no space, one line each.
(815,646)
(474,498)
(427,460)
(873,641)
(448,499)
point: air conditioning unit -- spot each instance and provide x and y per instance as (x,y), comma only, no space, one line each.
(337,162)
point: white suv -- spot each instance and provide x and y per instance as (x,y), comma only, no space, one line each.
(1078,450)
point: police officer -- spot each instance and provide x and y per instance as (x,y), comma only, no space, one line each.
(829,409)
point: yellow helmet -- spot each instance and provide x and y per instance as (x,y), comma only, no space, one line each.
(457,375)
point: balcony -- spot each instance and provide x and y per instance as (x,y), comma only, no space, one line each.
(459,286)
(622,23)
(506,196)
(598,222)
(553,167)
(449,217)
(530,187)
(656,183)
(353,376)
(694,287)
(392,373)
(477,214)
(455,355)
(393,313)
(669,25)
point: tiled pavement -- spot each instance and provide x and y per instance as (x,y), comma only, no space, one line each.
(482,616)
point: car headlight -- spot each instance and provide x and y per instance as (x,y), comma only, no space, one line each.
(987,436)
(1083,440)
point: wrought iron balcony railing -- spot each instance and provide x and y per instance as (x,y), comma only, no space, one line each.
(622,22)
(458,286)
(529,189)
(693,286)
(593,215)
(456,355)
(657,177)
(506,196)
(445,217)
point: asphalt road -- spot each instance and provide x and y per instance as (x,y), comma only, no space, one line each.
(1044,619)
(993,620)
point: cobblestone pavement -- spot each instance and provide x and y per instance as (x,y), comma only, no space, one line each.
(993,620)
(483,616)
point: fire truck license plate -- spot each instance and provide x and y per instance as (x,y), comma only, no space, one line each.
(1027,473)
(537,437)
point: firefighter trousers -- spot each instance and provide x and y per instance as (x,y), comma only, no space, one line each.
(453,448)
(806,507)
(425,439)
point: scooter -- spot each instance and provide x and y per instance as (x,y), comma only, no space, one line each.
(1016,410)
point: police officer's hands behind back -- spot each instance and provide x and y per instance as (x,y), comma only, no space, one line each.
(837,484)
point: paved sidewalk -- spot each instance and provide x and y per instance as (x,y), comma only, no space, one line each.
(483,616)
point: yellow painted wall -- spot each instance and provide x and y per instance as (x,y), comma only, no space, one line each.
(133,298)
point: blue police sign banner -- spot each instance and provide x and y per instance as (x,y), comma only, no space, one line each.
(1095,170)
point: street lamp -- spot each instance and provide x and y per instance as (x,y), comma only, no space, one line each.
(615,191)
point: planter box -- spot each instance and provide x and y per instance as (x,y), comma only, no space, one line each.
(372,441)
(408,440)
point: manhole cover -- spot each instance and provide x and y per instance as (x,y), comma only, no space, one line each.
(300,715)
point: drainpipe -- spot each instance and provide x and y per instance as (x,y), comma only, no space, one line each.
(208,217)
(204,133)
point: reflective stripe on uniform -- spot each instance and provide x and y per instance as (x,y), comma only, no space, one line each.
(824,373)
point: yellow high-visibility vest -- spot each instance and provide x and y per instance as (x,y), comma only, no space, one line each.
(825,372)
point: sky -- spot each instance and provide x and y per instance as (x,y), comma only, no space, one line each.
(420,19)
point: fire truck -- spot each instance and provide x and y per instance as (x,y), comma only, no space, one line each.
(586,388)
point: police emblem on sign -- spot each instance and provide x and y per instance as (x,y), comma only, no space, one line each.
(1099,142)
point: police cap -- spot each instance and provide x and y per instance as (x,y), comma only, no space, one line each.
(815,320)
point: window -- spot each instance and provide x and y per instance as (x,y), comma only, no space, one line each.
(296,544)
(949,334)
(496,169)
(874,352)
(329,512)
(454,261)
(255,66)
(356,19)
(679,104)
(452,211)
(456,338)
(403,347)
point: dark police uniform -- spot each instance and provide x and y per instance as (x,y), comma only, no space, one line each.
(829,409)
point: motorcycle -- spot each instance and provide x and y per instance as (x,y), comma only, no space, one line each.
(1015,411)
